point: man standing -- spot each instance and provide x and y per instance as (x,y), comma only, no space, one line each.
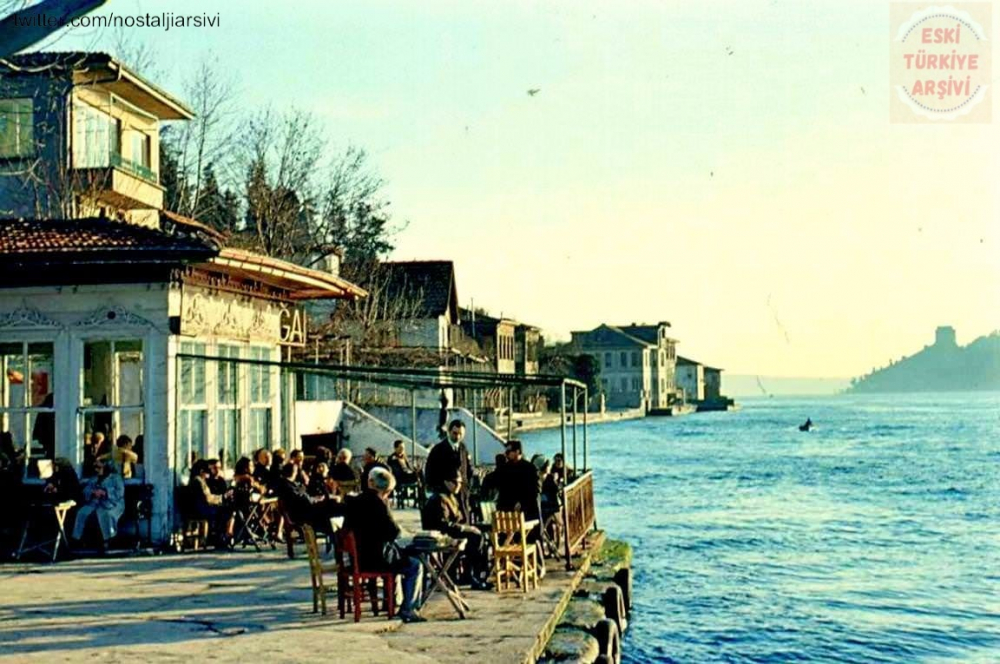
(447,459)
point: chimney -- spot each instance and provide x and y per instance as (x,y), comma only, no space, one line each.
(331,263)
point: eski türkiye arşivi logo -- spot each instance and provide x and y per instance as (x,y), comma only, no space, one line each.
(941,66)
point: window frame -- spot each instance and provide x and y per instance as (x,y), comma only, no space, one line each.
(19,128)
(25,411)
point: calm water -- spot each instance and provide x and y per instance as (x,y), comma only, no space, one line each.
(874,538)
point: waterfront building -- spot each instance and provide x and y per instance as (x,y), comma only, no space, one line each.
(103,291)
(637,363)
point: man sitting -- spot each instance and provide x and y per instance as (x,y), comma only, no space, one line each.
(300,506)
(342,471)
(441,513)
(369,461)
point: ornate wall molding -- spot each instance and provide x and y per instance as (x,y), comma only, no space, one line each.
(26,318)
(113,316)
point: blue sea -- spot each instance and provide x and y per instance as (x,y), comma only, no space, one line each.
(873,538)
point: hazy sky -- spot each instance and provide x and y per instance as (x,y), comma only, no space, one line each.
(727,166)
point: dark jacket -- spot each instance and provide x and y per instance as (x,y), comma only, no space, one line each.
(343,472)
(518,485)
(403,472)
(441,513)
(295,501)
(443,462)
(370,519)
(368,469)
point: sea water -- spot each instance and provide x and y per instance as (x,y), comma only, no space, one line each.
(873,538)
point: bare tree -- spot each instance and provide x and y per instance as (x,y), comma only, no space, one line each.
(211,95)
(279,156)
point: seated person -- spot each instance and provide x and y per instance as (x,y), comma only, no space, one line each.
(11,459)
(124,456)
(216,482)
(302,508)
(262,469)
(63,484)
(298,457)
(370,519)
(320,484)
(103,499)
(207,505)
(369,461)
(399,464)
(342,470)
(441,513)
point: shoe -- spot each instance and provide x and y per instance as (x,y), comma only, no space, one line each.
(481,585)
(412,617)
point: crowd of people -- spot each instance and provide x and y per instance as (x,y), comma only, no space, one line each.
(316,488)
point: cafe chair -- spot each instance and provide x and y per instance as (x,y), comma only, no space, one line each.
(515,561)
(317,571)
(354,586)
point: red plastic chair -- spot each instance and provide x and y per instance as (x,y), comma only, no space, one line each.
(354,585)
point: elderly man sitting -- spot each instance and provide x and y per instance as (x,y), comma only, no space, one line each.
(103,500)
(370,519)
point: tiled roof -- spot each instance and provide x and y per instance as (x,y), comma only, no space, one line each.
(67,59)
(607,336)
(42,240)
(432,281)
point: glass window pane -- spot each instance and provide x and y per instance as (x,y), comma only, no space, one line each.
(128,356)
(97,374)
(227,436)
(260,427)
(12,375)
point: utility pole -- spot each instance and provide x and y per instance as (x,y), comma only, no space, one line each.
(31,25)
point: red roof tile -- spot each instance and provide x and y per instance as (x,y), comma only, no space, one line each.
(39,238)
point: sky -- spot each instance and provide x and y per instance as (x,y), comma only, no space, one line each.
(729,167)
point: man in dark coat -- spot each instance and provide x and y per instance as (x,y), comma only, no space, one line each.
(442,513)
(445,460)
(517,483)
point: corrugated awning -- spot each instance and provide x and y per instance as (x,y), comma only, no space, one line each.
(301,283)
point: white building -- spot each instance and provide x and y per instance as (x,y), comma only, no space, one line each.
(98,306)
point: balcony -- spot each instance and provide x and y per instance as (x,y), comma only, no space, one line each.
(134,168)
(122,183)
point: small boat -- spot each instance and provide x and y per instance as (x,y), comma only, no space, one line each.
(807,425)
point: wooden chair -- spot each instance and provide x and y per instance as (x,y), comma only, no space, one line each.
(353,585)
(317,568)
(515,562)
(289,529)
(195,534)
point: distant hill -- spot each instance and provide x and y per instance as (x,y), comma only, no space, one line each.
(736,385)
(942,367)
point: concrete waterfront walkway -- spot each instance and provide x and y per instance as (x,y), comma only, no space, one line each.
(229,607)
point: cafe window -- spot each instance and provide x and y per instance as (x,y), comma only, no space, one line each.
(260,415)
(192,427)
(26,397)
(95,137)
(113,381)
(17,128)
(227,411)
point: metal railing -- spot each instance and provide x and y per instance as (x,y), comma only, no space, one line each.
(134,168)
(579,517)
